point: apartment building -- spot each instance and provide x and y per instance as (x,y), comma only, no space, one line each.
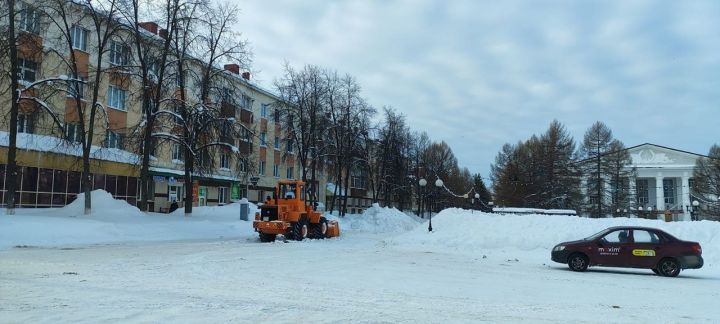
(49,155)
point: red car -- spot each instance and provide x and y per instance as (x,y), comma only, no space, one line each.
(631,247)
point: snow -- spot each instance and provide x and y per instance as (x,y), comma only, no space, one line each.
(44,143)
(378,219)
(115,221)
(122,265)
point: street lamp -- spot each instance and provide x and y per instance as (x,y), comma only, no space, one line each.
(477,196)
(694,209)
(422,184)
(438,184)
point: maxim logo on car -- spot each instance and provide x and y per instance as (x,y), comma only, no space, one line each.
(638,252)
(609,251)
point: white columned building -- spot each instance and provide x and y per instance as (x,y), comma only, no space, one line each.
(663,179)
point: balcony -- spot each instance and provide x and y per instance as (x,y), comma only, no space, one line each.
(245,147)
(227,109)
(246,116)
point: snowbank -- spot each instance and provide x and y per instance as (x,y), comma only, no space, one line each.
(115,221)
(462,231)
(378,219)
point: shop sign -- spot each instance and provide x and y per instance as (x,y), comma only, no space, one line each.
(235,191)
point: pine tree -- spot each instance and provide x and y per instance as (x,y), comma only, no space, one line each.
(618,159)
(596,169)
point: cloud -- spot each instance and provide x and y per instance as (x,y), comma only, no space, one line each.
(479,74)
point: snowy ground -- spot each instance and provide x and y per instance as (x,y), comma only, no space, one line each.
(384,268)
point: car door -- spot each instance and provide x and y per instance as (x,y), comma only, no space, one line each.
(612,250)
(646,249)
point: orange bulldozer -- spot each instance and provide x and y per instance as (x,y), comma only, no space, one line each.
(289,214)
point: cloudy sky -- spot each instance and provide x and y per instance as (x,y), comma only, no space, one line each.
(478,74)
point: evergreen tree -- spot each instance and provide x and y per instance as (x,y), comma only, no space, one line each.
(622,197)
(483,192)
(560,178)
(596,168)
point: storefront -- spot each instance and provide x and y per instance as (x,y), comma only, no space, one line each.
(169,186)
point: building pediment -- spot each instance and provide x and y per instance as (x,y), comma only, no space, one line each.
(653,155)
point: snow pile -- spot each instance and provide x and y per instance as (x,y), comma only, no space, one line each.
(227,212)
(115,221)
(104,206)
(462,231)
(378,219)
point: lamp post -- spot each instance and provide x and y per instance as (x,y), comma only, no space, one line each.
(422,184)
(694,209)
(438,184)
(477,196)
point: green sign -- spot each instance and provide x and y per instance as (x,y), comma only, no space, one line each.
(235,191)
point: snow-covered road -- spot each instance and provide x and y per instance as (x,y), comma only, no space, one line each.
(361,277)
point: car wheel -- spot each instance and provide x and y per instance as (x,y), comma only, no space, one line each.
(578,262)
(669,267)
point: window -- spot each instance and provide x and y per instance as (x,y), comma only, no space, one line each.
(222,195)
(277,142)
(264,111)
(245,134)
(203,160)
(276,171)
(27,70)
(113,140)
(29,18)
(76,89)
(641,236)
(79,37)
(357,182)
(669,190)
(118,53)
(277,115)
(621,236)
(177,109)
(242,166)
(290,173)
(25,124)
(74,133)
(225,161)
(290,146)
(641,186)
(261,170)
(116,98)
(263,139)
(177,152)
(246,102)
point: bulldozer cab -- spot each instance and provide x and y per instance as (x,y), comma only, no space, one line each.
(290,191)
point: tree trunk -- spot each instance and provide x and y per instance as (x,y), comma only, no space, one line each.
(11,168)
(189,184)
(87,180)
(145,182)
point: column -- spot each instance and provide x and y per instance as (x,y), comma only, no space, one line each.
(659,195)
(685,194)
(633,197)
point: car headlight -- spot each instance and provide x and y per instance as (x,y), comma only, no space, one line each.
(559,248)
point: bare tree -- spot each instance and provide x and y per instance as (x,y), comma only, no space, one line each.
(205,127)
(302,104)
(152,60)
(89,27)
(706,186)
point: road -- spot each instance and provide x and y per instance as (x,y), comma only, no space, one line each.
(361,278)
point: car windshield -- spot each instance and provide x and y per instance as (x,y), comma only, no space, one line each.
(597,235)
